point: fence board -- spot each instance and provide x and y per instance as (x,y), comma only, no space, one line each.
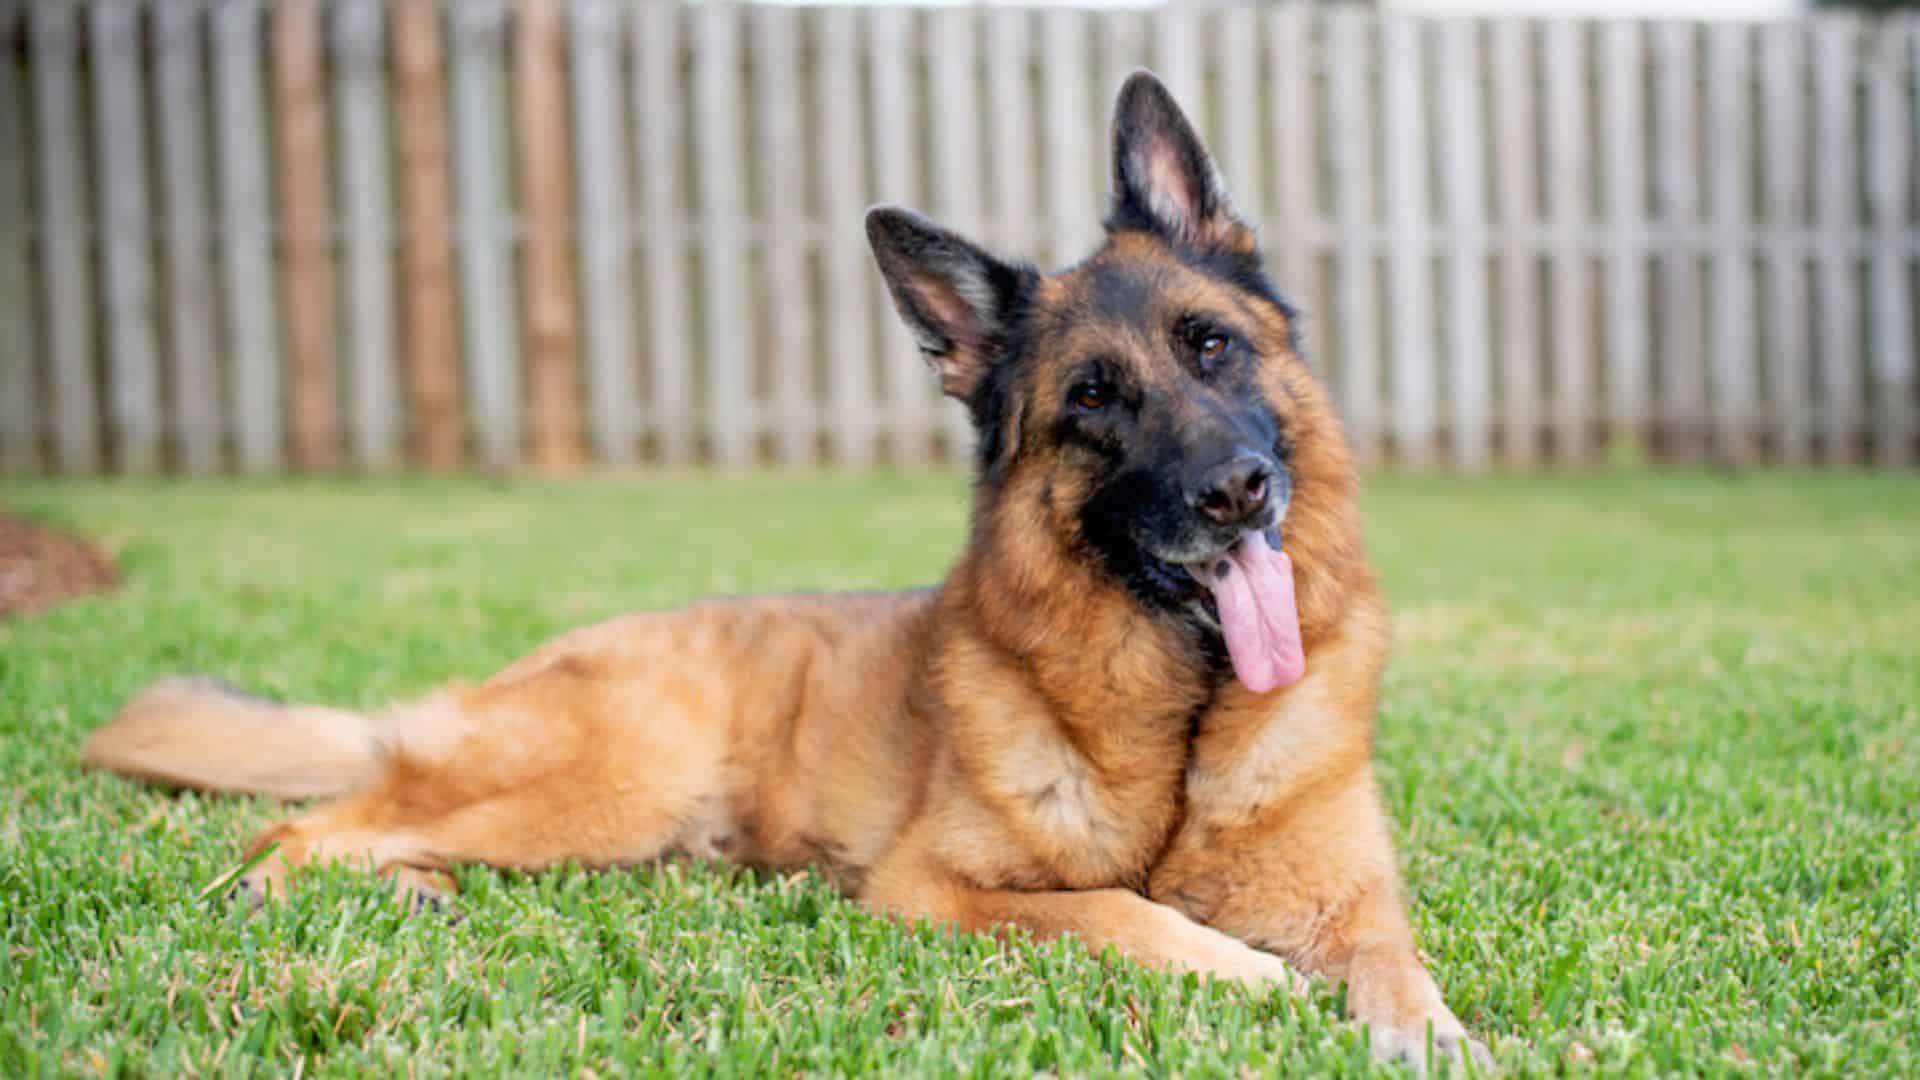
(1179,35)
(544,154)
(246,228)
(729,411)
(849,340)
(20,401)
(193,362)
(1730,169)
(605,231)
(55,36)
(1786,346)
(1517,206)
(1349,95)
(1891,135)
(1011,148)
(1072,221)
(306,233)
(432,341)
(896,153)
(360,93)
(1570,288)
(1836,271)
(124,235)
(1628,344)
(1464,195)
(786,280)
(1123,48)
(478,40)
(1683,372)
(1409,263)
(954,115)
(1238,145)
(1293,147)
(658,109)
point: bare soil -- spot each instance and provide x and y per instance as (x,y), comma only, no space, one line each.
(41,567)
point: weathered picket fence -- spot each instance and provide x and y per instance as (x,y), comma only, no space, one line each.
(355,233)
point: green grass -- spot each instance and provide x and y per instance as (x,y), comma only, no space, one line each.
(1652,744)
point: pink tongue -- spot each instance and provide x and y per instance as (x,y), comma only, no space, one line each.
(1257,614)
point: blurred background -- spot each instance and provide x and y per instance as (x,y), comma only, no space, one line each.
(355,235)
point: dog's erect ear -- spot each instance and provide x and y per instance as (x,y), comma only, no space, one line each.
(960,302)
(1163,179)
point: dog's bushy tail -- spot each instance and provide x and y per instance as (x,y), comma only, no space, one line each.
(205,735)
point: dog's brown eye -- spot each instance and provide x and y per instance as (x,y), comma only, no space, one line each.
(1090,396)
(1212,346)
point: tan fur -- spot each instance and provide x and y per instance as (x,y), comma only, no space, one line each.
(1024,746)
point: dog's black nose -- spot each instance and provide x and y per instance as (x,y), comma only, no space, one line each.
(1234,491)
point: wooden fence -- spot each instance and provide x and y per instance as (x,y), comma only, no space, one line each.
(365,234)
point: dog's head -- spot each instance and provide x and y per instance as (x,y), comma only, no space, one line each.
(1140,405)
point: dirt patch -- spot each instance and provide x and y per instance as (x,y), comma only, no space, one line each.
(40,567)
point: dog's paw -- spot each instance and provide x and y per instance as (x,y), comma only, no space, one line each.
(1412,1047)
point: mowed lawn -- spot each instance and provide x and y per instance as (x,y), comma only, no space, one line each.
(1652,745)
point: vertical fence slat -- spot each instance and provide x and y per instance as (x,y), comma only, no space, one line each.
(544,152)
(849,340)
(1736,388)
(478,39)
(306,232)
(1464,192)
(1891,135)
(785,270)
(896,152)
(1293,147)
(432,343)
(1178,58)
(1123,47)
(1409,221)
(1835,195)
(657,113)
(360,89)
(124,234)
(1623,120)
(246,226)
(19,372)
(1349,97)
(730,408)
(606,232)
(954,169)
(193,368)
(1517,207)
(1563,62)
(1010,136)
(1071,220)
(1683,372)
(1237,137)
(1787,347)
(61,156)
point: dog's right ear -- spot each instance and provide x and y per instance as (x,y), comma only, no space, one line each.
(961,303)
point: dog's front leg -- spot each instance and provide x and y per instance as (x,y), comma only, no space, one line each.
(1138,928)
(1316,883)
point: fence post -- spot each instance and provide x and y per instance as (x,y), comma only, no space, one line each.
(896,152)
(124,234)
(540,122)
(20,400)
(657,108)
(1463,187)
(61,155)
(1563,62)
(1787,352)
(491,334)
(179,92)
(1623,119)
(606,231)
(1409,284)
(785,258)
(1729,172)
(1891,135)
(246,226)
(1358,387)
(375,420)
(431,341)
(955,169)
(1683,375)
(731,411)
(1836,207)
(849,337)
(306,232)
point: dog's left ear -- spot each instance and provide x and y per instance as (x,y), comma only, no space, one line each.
(961,303)
(1163,179)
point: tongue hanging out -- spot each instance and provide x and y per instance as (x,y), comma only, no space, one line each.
(1253,587)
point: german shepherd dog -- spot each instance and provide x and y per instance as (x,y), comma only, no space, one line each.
(1139,710)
